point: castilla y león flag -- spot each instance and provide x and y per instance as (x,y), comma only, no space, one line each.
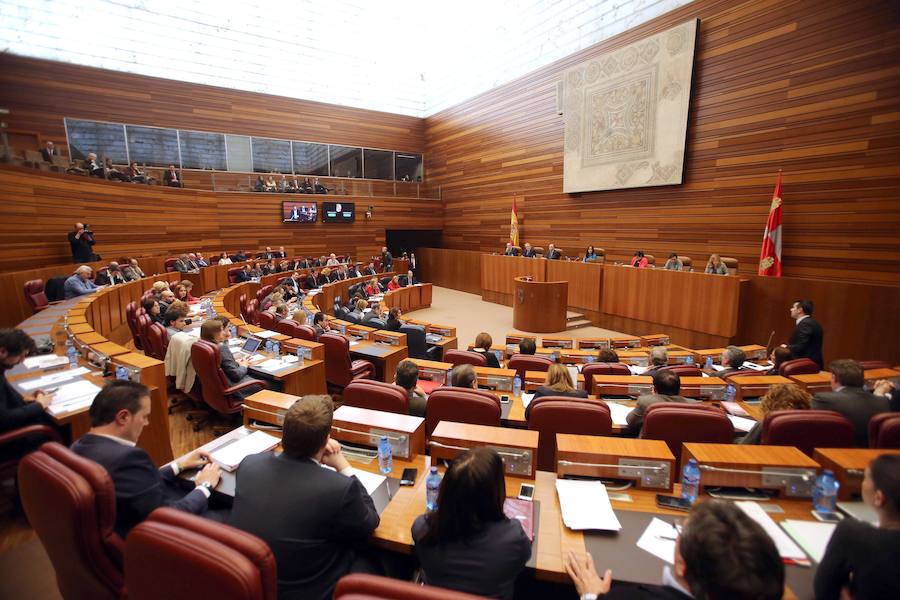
(514,225)
(770,255)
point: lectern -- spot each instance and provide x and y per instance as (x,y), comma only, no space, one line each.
(540,306)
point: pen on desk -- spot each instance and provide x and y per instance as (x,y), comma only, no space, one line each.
(670,538)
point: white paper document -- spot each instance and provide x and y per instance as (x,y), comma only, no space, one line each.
(526,399)
(370,481)
(619,413)
(230,455)
(786,546)
(718,367)
(353,342)
(585,505)
(265,334)
(52,380)
(741,423)
(273,364)
(73,396)
(756,367)
(637,369)
(659,540)
(44,361)
(811,535)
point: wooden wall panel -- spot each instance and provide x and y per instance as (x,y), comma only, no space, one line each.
(808,87)
(456,269)
(39,93)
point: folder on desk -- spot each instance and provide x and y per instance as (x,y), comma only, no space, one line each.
(523,512)
(230,455)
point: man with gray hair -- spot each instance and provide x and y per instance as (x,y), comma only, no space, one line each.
(183,265)
(79,283)
(659,358)
(111,276)
(733,359)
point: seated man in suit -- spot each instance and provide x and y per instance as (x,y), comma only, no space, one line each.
(245,274)
(353,271)
(806,339)
(195,261)
(166,299)
(410,280)
(281,253)
(552,253)
(393,322)
(850,399)
(183,265)
(133,270)
(291,285)
(666,385)
(118,415)
(314,519)
(79,283)
(240,256)
(311,281)
(369,270)
(752,568)
(93,167)
(733,359)
(171,178)
(659,358)
(529,251)
(407,377)
(112,276)
(527,346)
(510,250)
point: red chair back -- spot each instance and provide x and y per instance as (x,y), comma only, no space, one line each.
(180,556)
(207,362)
(676,423)
(464,357)
(252,311)
(684,370)
(376,395)
(263,292)
(798,366)
(242,302)
(157,341)
(266,320)
(592,369)
(71,504)
(337,358)
(807,430)
(360,586)
(170,264)
(463,405)
(35,296)
(550,415)
(527,362)
(233,273)
(132,310)
(884,430)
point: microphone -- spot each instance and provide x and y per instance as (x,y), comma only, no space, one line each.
(772,478)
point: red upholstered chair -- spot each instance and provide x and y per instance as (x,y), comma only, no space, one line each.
(296,330)
(266,320)
(884,430)
(339,369)
(170,264)
(464,357)
(527,362)
(592,369)
(142,322)
(874,364)
(242,302)
(377,395)
(550,415)
(215,388)
(360,586)
(71,504)
(132,310)
(233,273)
(35,296)
(684,370)
(13,436)
(263,292)
(807,430)
(180,556)
(251,312)
(676,423)
(798,366)
(463,405)
(156,340)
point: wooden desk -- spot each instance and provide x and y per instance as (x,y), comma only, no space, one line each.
(540,306)
(384,357)
(754,386)
(752,459)
(498,273)
(297,379)
(449,439)
(849,466)
(592,456)
(585,282)
(814,383)
(873,375)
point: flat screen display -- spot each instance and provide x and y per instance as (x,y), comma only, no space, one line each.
(298,212)
(338,212)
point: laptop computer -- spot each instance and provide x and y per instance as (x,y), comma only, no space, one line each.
(250,346)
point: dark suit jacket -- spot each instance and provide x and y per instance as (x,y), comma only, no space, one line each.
(529,253)
(386,261)
(182,266)
(81,247)
(858,405)
(393,324)
(140,487)
(232,369)
(492,361)
(511,252)
(105,278)
(553,255)
(47,154)
(310,517)
(806,341)
(291,285)
(14,411)
(543,391)
(242,276)
(635,418)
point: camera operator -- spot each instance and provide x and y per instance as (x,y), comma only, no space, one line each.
(81,240)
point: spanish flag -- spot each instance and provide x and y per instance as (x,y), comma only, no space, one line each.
(514,225)
(770,255)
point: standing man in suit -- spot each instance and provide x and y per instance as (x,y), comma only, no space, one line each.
(171,178)
(118,415)
(82,241)
(806,340)
(317,518)
(387,261)
(666,388)
(49,151)
(552,253)
(850,399)
(529,251)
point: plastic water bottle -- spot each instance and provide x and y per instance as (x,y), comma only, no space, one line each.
(730,392)
(709,364)
(432,485)
(276,349)
(590,358)
(517,386)
(234,332)
(72,353)
(689,360)
(690,481)
(121,373)
(269,346)
(300,354)
(385,456)
(825,493)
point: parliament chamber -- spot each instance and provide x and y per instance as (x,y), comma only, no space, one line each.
(283,352)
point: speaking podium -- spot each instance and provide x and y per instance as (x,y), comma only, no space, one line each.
(540,306)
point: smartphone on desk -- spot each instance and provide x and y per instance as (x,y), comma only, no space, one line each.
(673,502)
(526,492)
(408,478)
(504,398)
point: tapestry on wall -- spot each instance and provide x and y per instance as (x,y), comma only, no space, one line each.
(626,114)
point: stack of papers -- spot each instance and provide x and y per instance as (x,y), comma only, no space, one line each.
(659,540)
(230,455)
(718,367)
(526,399)
(265,334)
(275,364)
(45,361)
(811,535)
(741,423)
(370,481)
(585,505)
(637,369)
(756,367)
(52,380)
(73,396)
(619,413)
(790,552)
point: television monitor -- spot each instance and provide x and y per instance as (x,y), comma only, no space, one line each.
(338,212)
(298,212)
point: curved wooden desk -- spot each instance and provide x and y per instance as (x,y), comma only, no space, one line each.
(540,306)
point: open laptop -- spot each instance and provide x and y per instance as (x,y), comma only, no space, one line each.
(249,348)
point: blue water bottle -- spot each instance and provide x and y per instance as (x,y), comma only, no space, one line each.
(72,353)
(276,349)
(517,386)
(432,486)
(689,360)
(268,346)
(121,373)
(709,364)
(385,456)
(825,493)
(690,481)
(730,392)
(234,331)
(300,355)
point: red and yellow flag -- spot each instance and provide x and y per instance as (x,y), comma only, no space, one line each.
(514,225)
(770,254)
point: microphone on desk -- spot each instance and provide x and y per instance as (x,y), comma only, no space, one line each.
(769,343)
(807,478)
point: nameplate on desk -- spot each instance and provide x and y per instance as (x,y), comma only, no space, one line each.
(593,344)
(365,427)
(784,469)
(516,447)
(512,348)
(436,375)
(497,383)
(443,331)
(361,335)
(713,392)
(648,463)
(387,339)
(639,389)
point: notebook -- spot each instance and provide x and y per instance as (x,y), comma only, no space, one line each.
(250,346)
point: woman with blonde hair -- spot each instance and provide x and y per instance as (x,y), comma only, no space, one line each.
(715,266)
(557,383)
(483,343)
(781,396)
